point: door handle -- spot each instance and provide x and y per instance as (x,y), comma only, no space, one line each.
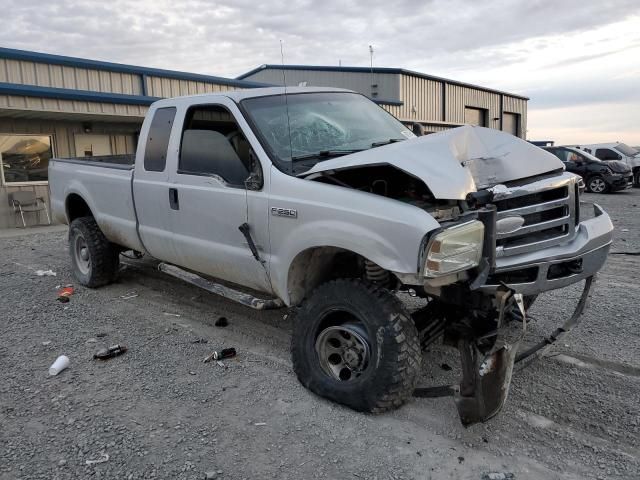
(173,199)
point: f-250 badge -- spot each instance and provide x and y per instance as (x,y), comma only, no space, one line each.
(284,212)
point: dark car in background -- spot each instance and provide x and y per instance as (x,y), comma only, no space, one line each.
(599,176)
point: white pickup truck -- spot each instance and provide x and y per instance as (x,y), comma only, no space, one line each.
(320,201)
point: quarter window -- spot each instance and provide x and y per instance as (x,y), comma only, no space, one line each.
(155,154)
(25,158)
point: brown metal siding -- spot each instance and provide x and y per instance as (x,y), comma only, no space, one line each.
(170,87)
(45,75)
(69,106)
(422,95)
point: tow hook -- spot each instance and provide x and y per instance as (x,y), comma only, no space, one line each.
(486,377)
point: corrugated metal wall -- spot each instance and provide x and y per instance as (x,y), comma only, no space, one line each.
(388,85)
(518,106)
(422,100)
(69,106)
(122,139)
(47,75)
(171,87)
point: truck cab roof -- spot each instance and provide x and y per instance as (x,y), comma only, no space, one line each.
(239,95)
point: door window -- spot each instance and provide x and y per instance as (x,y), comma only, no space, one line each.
(155,153)
(213,145)
(606,154)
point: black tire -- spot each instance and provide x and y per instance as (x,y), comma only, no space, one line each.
(394,356)
(102,257)
(596,184)
(636,178)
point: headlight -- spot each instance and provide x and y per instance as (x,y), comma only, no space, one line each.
(455,249)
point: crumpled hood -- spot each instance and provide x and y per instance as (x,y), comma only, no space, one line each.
(455,162)
(617,166)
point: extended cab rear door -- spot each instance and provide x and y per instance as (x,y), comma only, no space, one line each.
(212,158)
(151,183)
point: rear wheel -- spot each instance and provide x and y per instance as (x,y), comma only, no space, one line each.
(94,259)
(596,184)
(355,344)
(636,178)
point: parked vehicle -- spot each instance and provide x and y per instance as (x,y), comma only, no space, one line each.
(599,176)
(326,202)
(616,151)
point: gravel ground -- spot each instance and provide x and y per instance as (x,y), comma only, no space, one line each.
(159,412)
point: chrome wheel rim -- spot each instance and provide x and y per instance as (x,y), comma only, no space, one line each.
(81,254)
(597,185)
(343,351)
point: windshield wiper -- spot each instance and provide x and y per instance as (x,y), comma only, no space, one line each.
(386,142)
(326,154)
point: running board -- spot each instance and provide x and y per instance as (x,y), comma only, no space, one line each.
(222,290)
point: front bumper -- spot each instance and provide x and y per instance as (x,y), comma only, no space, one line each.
(559,266)
(619,181)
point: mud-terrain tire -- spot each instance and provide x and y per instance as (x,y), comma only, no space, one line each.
(380,357)
(94,259)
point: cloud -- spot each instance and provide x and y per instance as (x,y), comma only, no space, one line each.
(558,52)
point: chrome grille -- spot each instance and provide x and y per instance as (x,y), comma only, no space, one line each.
(548,210)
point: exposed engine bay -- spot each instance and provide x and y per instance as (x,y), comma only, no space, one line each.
(391,182)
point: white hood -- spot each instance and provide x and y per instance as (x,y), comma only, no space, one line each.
(455,162)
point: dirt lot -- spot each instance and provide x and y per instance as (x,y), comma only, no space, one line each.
(159,412)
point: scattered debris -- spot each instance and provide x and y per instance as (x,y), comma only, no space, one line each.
(260,424)
(221,322)
(192,372)
(92,340)
(45,273)
(224,353)
(460,459)
(59,365)
(104,457)
(110,352)
(172,314)
(446,367)
(221,364)
(498,476)
(47,343)
(6,274)
(101,334)
(200,340)
(624,229)
(65,293)
(129,295)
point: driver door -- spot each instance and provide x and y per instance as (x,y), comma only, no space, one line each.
(209,200)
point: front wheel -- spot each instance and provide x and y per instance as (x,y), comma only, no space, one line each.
(636,178)
(355,344)
(597,184)
(94,259)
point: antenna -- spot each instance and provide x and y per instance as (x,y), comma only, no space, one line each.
(286,103)
(373,85)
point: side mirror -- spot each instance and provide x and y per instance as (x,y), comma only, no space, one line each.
(255,180)
(418,129)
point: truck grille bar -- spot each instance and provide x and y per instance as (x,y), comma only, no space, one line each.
(548,210)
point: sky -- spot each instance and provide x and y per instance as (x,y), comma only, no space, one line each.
(578,61)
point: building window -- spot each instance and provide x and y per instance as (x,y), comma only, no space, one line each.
(476,116)
(25,158)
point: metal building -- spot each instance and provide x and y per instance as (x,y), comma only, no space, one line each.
(53,105)
(412,97)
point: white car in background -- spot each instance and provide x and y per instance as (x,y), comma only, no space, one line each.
(617,151)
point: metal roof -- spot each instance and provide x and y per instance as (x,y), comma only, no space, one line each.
(389,70)
(24,55)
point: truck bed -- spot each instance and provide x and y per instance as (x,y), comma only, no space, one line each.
(105,184)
